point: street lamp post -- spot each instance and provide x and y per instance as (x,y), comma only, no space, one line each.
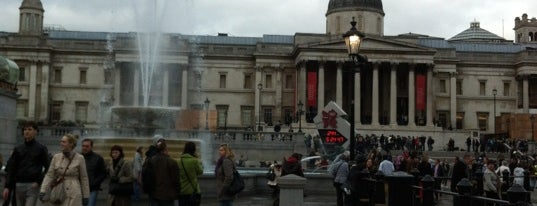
(225,119)
(532,118)
(300,105)
(353,39)
(259,87)
(206,103)
(494,92)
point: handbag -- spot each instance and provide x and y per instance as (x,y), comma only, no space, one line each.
(237,185)
(56,192)
(117,188)
(271,176)
(195,197)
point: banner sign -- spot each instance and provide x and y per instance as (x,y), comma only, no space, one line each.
(312,90)
(421,88)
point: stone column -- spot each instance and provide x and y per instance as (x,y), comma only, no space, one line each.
(278,96)
(357,99)
(32,90)
(165,86)
(320,91)
(302,84)
(375,96)
(292,190)
(453,99)
(136,87)
(184,88)
(44,106)
(411,96)
(117,84)
(339,84)
(429,114)
(525,94)
(393,95)
(258,79)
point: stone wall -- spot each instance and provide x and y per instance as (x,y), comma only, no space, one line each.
(8,123)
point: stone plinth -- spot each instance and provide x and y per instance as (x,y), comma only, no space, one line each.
(292,190)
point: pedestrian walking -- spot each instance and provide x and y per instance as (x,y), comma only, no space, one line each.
(28,164)
(167,185)
(69,167)
(96,169)
(120,171)
(224,174)
(137,163)
(190,168)
(275,172)
(340,174)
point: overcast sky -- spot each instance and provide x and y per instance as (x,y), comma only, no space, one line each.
(440,18)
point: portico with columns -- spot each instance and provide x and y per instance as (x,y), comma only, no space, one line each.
(393,86)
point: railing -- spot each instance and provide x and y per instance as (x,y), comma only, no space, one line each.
(218,135)
(413,190)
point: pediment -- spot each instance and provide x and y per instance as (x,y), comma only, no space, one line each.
(370,43)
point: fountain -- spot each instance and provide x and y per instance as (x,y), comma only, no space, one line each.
(135,122)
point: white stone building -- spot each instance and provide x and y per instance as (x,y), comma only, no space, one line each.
(412,83)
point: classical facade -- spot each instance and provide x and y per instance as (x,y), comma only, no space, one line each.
(411,82)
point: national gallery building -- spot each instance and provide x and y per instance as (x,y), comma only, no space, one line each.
(475,81)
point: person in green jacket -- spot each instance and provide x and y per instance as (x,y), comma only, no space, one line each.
(190,168)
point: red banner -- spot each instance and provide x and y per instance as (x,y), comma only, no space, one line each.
(312,90)
(421,87)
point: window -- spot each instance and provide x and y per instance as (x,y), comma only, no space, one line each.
(442,86)
(22,109)
(247,116)
(482,120)
(267,115)
(56,111)
(22,74)
(197,80)
(81,112)
(83,75)
(247,81)
(288,115)
(338,24)
(460,119)
(108,78)
(443,119)
(520,96)
(459,87)
(506,88)
(223,79)
(222,115)
(268,81)
(482,87)
(57,75)
(289,81)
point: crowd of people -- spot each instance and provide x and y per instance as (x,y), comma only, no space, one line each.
(347,173)
(69,178)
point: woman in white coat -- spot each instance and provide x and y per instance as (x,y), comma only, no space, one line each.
(76,183)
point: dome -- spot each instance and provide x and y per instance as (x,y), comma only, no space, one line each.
(476,34)
(339,5)
(32,4)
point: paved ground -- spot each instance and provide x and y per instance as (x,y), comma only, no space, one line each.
(309,200)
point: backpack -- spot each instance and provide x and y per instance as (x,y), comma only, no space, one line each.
(334,168)
(148,176)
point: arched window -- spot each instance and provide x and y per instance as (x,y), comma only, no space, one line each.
(379,25)
(530,36)
(338,24)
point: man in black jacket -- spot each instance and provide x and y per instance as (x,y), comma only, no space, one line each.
(30,162)
(96,170)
